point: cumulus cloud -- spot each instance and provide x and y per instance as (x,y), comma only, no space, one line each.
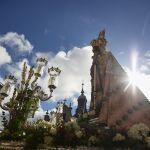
(142,74)
(4,56)
(16,41)
(145,63)
(147,54)
(46,55)
(75,66)
(121,53)
(145,69)
(16,68)
(141,80)
(1,79)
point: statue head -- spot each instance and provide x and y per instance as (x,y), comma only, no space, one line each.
(102,34)
(100,41)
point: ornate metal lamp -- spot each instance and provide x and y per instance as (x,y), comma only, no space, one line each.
(41,62)
(53,73)
(8,81)
(27,94)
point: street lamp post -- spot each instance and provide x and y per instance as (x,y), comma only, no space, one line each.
(26,94)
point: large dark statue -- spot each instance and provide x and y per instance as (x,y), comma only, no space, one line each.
(97,71)
(112,101)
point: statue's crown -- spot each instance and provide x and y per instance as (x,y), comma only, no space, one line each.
(100,41)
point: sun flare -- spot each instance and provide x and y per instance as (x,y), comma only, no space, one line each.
(137,79)
(133,78)
(132,74)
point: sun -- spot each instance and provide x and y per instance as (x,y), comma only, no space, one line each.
(137,79)
(133,74)
(133,78)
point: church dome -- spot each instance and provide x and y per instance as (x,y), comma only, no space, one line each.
(82,97)
(81,108)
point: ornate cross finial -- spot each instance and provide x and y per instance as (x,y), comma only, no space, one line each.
(82,91)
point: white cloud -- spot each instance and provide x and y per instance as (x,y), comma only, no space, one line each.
(1,79)
(75,66)
(4,56)
(145,69)
(47,55)
(16,69)
(145,63)
(147,54)
(141,74)
(121,53)
(141,80)
(16,41)
(74,102)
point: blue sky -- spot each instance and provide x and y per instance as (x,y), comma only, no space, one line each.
(51,26)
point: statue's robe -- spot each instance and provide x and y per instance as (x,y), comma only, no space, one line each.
(115,101)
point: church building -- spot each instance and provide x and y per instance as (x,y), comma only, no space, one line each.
(81,108)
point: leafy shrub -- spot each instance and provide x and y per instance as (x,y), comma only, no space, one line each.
(118,137)
(69,134)
(138,131)
(92,141)
(147,140)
